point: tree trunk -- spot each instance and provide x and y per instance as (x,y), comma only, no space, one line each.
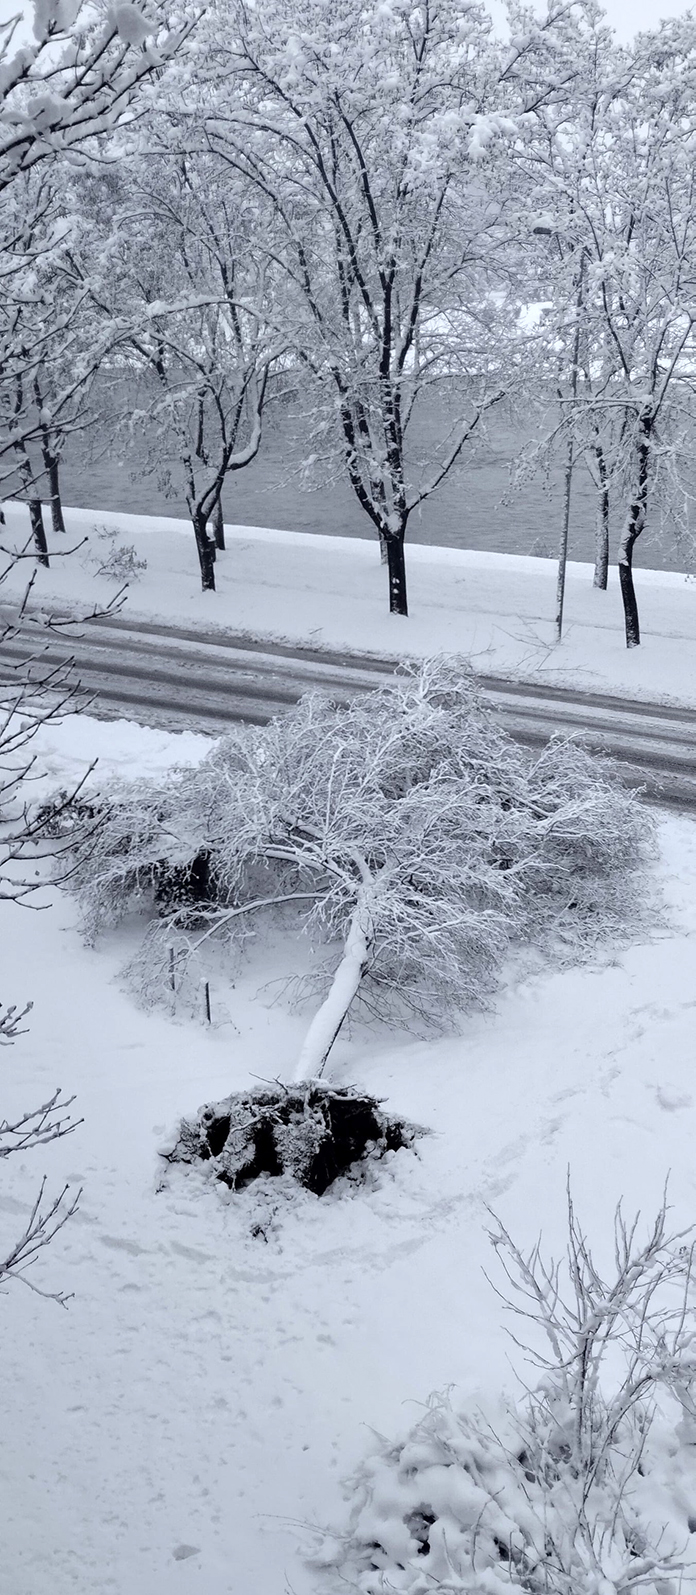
(383,551)
(635,524)
(206,552)
(35,512)
(219,526)
(563,549)
(55,502)
(628,596)
(601,570)
(38,531)
(328,1020)
(398,604)
(563,545)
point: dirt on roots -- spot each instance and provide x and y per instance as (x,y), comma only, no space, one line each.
(312,1131)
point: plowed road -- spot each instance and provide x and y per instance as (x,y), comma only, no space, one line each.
(173,677)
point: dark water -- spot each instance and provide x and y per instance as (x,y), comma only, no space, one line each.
(476,506)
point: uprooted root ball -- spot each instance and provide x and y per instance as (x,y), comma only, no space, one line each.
(312,1132)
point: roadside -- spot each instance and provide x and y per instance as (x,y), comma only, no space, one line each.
(329,593)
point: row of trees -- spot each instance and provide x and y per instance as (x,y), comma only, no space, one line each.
(353,214)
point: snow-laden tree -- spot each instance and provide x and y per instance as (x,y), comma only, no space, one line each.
(61,93)
(52,345)
(76,74)
(566,362)
(404,828)
(614,206)
(374,139)
(178,267)
(62,90)
(64,87)
(646,267)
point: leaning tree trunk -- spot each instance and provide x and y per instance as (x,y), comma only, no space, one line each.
(206,551)
(219,526)
(51,466)
(346,982)
(396,563)
(38,531)
(35,511)
(563,541)
(601,570)
(635,524)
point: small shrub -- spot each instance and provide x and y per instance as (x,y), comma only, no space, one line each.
(122,564)
(559,1496)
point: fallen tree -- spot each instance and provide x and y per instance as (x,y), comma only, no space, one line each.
(405,829)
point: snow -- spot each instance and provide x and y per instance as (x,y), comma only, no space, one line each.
(224,1362)
(122,749)
(328,592)
(208,1388)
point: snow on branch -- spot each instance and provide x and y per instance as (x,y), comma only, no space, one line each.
(46,1220)
(10,1021)
(77,76)
(37,1127)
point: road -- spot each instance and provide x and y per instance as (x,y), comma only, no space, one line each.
(173,677)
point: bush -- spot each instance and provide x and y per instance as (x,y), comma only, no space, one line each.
(122,564)
(119,561)
(559,1497)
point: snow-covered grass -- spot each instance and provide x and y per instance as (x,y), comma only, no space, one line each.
(224,1361)
(496,609)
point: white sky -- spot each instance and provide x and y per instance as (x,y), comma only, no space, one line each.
(634,16)
(626,16)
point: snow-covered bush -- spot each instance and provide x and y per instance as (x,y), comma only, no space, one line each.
(123,564)
(568,1493)
(404,828)
(119,561)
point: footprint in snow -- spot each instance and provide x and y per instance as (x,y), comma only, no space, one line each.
(118,1244)
(181,1552)
(670,1099)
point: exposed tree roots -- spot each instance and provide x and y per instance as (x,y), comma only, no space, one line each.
(310,1131)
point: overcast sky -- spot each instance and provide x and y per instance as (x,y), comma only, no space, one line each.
(626,16)
(633,16)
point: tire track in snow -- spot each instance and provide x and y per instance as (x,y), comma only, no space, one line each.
(174,677)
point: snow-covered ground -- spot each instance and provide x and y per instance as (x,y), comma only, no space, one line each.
(224,1362)
(497,609)
(208,1388)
